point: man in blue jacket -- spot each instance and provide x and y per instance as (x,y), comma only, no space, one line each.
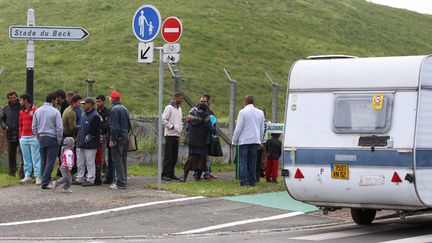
(118,130)
(88,140)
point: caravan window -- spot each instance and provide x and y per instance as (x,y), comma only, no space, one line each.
(362,113)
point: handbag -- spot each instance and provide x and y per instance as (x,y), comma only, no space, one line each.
(132,143)
(215,148)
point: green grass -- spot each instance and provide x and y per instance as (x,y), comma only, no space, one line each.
(5,179)
(248,37)
(151,170)
(218,188)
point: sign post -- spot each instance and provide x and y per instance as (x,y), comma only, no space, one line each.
(30,56)
(146,24)
(31,32)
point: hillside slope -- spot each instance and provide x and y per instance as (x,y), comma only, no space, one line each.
(248,37)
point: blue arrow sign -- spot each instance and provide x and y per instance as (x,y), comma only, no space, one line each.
(146,23)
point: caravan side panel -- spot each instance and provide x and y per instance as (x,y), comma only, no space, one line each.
(423,161)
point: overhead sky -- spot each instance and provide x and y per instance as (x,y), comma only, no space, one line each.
(421,6)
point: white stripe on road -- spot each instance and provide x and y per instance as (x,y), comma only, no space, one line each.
(171,30)
(348,233)
(418,239)
(100,212)
(248,221)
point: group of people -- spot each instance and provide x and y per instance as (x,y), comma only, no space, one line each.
(86,136)
(249,136)
(83,134)
(200,125)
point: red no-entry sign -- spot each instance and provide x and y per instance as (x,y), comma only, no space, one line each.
(172,29)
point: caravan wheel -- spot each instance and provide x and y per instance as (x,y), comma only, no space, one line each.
(363,215)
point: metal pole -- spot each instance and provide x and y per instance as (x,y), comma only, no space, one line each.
(90,81)
(159,181)
(275,88)
(231,110)
(30,56)
(275,91)
(175,77)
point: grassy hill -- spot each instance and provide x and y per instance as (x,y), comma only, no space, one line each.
(248,37)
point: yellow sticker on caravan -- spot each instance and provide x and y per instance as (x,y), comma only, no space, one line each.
(377,102)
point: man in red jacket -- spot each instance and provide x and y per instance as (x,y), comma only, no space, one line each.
(28,141)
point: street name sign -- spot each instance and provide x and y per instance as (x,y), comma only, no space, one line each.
(172,29)
(146,23)
(145,52)
(47,33)
(171,48)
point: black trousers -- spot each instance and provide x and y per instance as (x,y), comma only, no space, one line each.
(12,147)
(170,155)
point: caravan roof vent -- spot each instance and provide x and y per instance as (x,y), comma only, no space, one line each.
(333,56)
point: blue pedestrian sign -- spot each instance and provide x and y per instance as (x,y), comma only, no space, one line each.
(146,23)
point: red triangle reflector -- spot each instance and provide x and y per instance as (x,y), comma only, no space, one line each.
(396,178)
(298,174)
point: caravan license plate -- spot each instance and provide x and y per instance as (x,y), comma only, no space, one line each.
(339,171)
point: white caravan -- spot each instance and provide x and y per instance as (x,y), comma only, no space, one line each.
(358,134)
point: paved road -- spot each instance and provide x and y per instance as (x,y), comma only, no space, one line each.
(98,214)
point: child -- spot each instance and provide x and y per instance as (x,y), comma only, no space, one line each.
(274,150)
(67,163)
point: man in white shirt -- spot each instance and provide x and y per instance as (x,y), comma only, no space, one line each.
(172,121)
(248,134)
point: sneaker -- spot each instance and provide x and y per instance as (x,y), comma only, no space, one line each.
(26,179)
(54,185)
(165,178)
(175,178)
(38,180)
(213,177)
(49,186)
(67,190)
(182,179)
(113,186)
(87,183)
(78,183)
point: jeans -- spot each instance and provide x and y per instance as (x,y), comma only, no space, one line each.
(170,155)
(248,159)
(48,151)
(31,155)
(66,177)
(111,169)
(86,159)
(119,158)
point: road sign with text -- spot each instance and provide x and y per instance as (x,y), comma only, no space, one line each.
(172,29)
(47,33)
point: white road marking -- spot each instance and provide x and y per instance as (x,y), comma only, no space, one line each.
(418,239)
(100,212)
(171,30)
(247,221)
(348,233)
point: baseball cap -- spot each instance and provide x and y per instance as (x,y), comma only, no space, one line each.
(88,100)
(115,95)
